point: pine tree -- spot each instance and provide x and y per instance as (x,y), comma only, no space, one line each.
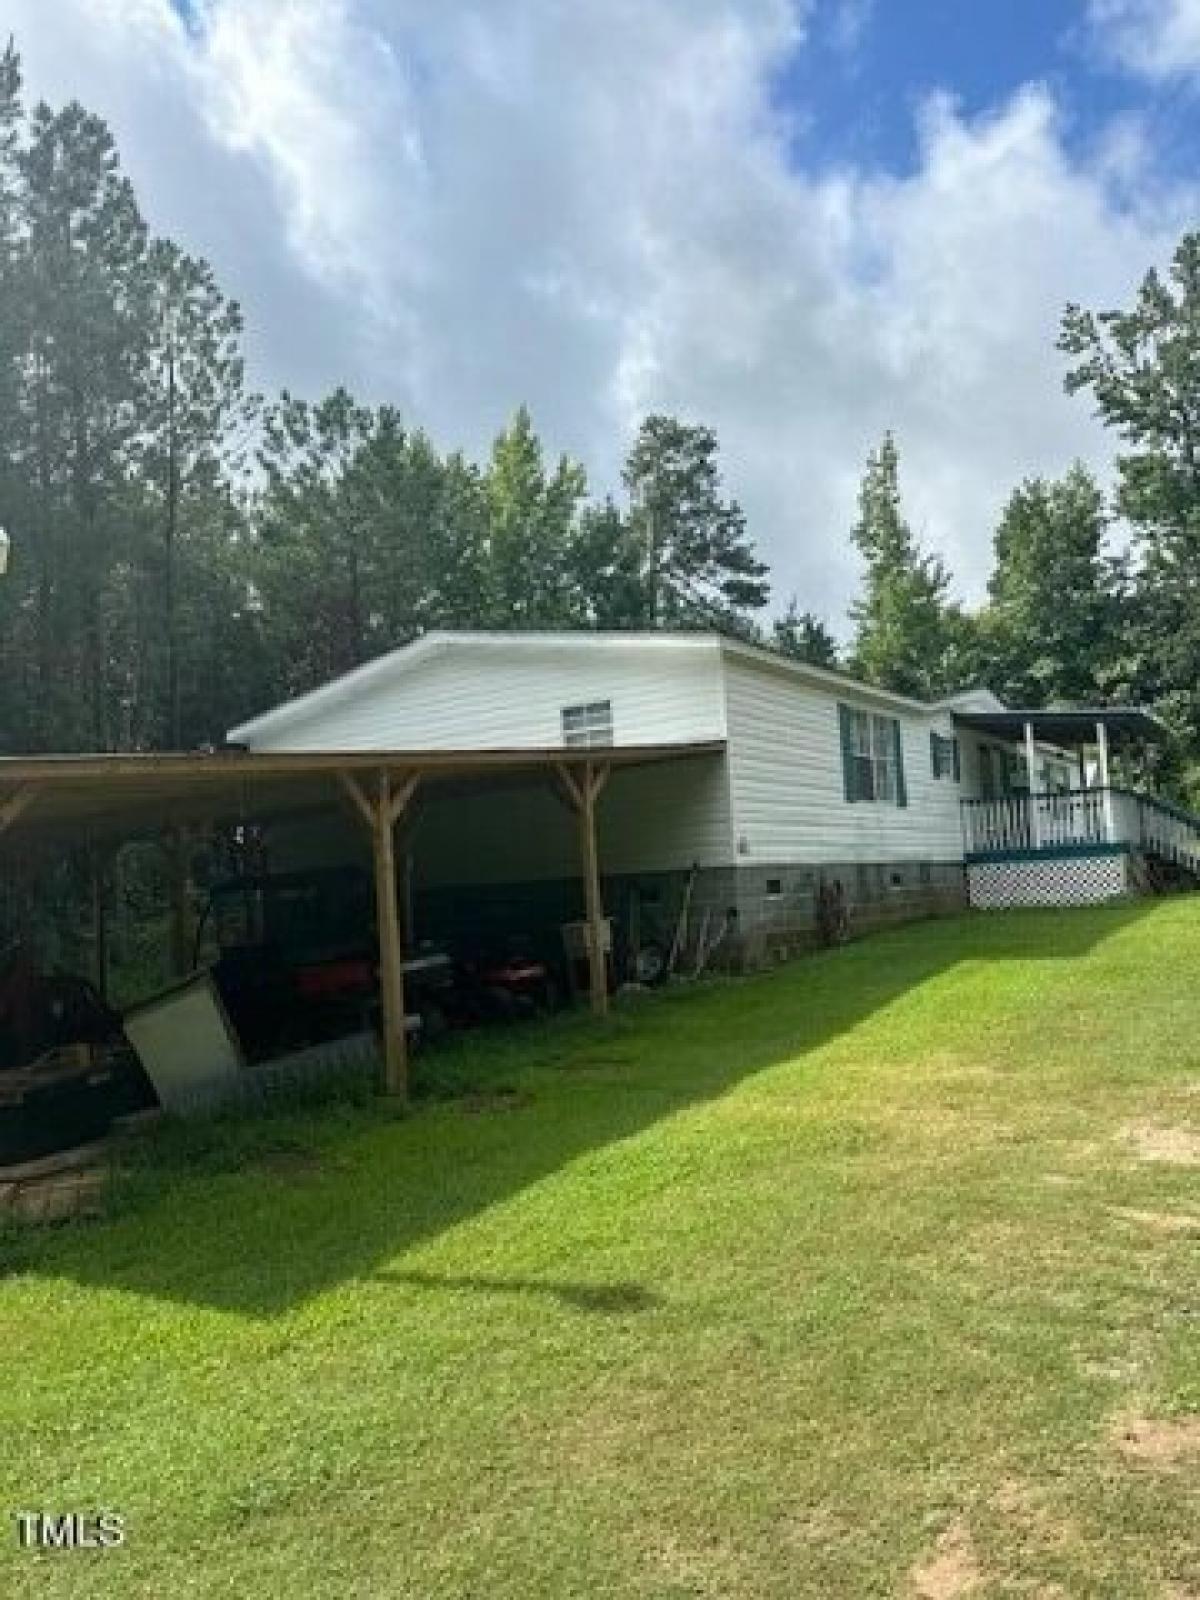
(1142,367)
(804,637)
(695,558)
(87,356)
(1056,610)
(907,632)
(532,519)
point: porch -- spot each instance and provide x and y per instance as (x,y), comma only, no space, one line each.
(1049,841)
(1080,821)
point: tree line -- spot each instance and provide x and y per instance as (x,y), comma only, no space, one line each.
(185,552)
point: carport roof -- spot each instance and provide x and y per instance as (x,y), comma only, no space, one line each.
(76,798)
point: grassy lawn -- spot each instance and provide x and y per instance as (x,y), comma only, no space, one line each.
(878,1275)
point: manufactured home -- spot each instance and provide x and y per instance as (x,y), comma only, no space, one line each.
(593,798)
(771,778)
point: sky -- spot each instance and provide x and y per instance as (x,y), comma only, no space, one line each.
(803,222)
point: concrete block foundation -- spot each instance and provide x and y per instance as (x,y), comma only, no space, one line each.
(747,916)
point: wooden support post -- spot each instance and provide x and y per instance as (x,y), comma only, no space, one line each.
(381,814)
(593,780)
(391,969)
(16,805)
(357,798)
(581,790)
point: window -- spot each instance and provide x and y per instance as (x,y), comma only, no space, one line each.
(943,756)
(589,724)
(774,888)
(872,757)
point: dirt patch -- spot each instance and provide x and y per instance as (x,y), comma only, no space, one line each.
(1153,1141)
(476,1105)
(709,1569)
(1158,1221)
(1120,1369)
(1036,1521)
(950,1570)
(1166,1442)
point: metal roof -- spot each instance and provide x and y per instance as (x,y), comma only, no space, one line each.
(76,798)
(1067,726)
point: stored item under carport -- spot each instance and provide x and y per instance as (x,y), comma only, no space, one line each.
(66,1069)
(186,1043)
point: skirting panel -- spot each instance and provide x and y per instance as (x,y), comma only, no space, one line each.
(1052,881)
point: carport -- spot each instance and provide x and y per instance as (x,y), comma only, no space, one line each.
(57,800)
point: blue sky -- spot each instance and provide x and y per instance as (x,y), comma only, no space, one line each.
(804,222)
(858,82)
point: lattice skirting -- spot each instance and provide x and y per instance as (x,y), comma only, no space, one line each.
(1062,881)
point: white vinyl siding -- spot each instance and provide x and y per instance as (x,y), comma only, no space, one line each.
(489,693)
(657,818)
(777,796)
(787,783)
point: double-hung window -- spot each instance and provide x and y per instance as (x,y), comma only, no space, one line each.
(943,756)
(590,724)
(872,756)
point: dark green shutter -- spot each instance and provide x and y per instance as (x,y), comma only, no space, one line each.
(957,761)
(901,792)
(934,741)
(849,770)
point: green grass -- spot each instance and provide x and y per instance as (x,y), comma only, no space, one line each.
(842,1281)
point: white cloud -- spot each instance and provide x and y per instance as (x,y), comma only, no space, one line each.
(1157,39)
(849,21)
(592,208)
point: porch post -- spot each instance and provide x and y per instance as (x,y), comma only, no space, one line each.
(1105,780)
(1035,821)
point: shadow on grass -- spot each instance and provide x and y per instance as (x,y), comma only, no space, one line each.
(232,1230)
(610,1299)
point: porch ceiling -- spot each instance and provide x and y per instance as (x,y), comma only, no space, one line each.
(1128,723)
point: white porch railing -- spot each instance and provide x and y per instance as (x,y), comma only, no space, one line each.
(1078,818)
